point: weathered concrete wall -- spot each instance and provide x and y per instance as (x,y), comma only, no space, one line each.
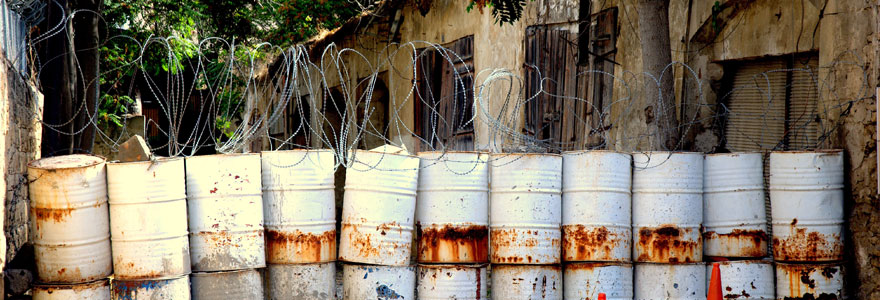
(20,109)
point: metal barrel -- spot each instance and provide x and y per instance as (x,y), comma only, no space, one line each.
(299,206)
(734,214)
(745,279)
(527,282)
(148,220)
(95,290)
(670,281)
(378,282)
(806,199)
(224,285)
(151,289)
(70,221)
(378,210)
(301,281)
(809,281)
(587,280)
(526,208)
(452,214)
(667,207)
(225,212)
(596,206)
(440,282)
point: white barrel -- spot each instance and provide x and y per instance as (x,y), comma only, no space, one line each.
(667,207)
(734,214)
(148,220)
(301,281)
(526,208)
(441,282)
(809,281)
(378,282)
(224,285)
(596,206)
(70,223)
(453,207)
(378,210)
(151,289)
(670,281)
(96,290)
(299,206)
(587,280)
(527,282)
(745,279)
(806,199)
(225,212)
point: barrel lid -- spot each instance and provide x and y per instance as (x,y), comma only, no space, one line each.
(66,162)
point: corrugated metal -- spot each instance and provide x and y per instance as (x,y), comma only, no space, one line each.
(670,281)
(13,37)
(809,281)
(734,218)
(806,190)
(526,208)
(756,117)
(244,284)
(96,290)
(299,206)
(70,221)
(378,282)
(527,282)
(440,282)
(452,214)
(803,126)
(587,280)
(596,206)
(745,279)
(148,220)
(301,281)
(167,289)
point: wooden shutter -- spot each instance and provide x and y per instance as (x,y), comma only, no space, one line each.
(599,92)
(756,106)
(803,128)
(551,64)
(444,109)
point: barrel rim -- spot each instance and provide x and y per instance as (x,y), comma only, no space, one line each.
(647,263)
(297,151)
(37,164)
(175,277)
(667,152)
(453,152)
(223,272)
(201,157)
(601,263)
(811,264)
(380,152)
(451,265)
(64,286)
(162,159)
(816,151)
(576,152)
(734,153)
(524,154)
(744,261)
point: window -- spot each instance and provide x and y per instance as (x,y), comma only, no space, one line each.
(376,127)
(444,97)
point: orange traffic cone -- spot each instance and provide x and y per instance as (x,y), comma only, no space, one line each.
(601,296)
(715,284)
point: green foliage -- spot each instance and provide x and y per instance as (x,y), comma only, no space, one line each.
(504,11)
(111,110)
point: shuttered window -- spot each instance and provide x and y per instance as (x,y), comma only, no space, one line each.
(444,97)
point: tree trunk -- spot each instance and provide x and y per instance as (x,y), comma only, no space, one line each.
(54,75)
(656,56)
(85,39)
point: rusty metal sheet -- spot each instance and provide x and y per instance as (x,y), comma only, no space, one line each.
(806,196)
(301,281)
(587,280)
(667,207)
(161,289)
(243,284)
(527,282)
(809,281)
(299,206)
(596,206)
(452,214)
(452,282)
(378,282)
(70,219)
(669,281)
(526,208)
(734,214)
(96,290)
(745,279)
(148,220)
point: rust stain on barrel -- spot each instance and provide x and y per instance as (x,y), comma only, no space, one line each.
(808,246)
(801,286)
(667,244)
(56,215)
(298,246)
(450,243)
(751,243)
(501,238)
(589,244)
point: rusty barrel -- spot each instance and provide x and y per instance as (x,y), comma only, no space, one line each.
(225,212)
(526,208)
(152,289)
(585,280)
(809,281)
(70,220)
(734,214)
(378,282)
(667,207)
(438,281)
(227,285)
(148,220)
(299,206)
(527,282)
(452,214)
(745,279)
(95,290)
(669,281)
(301,281)
(378,209)
(596,206)
(806,199)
